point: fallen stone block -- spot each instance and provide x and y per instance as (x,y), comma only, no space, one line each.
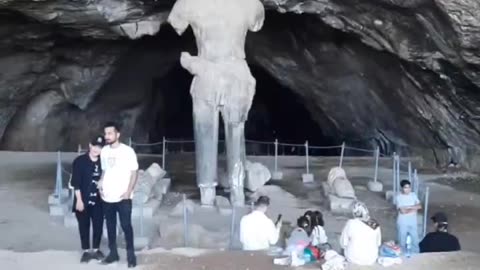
(162,187)
(307,178)
(277,175)
(223,205)
(375,186)
(340,205)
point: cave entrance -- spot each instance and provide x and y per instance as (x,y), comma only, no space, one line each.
(276,113)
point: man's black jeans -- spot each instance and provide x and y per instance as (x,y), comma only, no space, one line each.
(124,210)
(90,215)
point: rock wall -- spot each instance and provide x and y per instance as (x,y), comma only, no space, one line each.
(403,75)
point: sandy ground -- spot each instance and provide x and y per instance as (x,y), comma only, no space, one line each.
(26,179)
(197,260)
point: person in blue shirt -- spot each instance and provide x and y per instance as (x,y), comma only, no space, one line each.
(408,205)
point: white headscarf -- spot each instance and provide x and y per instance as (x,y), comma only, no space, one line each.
(360,211)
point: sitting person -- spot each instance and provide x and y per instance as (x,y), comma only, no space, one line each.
(300,236)
(309,216)
(318,235)
(361,237)
(440,240)
(257,231)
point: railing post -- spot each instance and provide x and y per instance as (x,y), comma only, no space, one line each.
(276,154)
(417,183)
(79,149)
(306,157)
(410,172)
(141,219)
(398,174)
(164,152)
(394,176)
(232,228)
(130,141)
(341,155)
(59,177)
(377,156)
(425,214)
(185,220)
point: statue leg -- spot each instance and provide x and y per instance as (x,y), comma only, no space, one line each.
(205,117)
(234,139)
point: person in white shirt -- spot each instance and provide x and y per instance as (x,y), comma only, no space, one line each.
(119,175)
(318,235)
(361,237)
(257,231)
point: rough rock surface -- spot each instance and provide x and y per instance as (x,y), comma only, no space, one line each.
(257,175)
(403,75)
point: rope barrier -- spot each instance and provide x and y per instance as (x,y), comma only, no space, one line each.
(263,142)
(325,147)
(259,142)
(359,149)
(146,144)
(179,141)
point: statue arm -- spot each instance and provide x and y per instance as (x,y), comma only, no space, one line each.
(258,17)
(178,17)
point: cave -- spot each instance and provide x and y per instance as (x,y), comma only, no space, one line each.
(403,77)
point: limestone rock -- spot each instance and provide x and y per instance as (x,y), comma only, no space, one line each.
(339,183)
(257,175)
(146,182)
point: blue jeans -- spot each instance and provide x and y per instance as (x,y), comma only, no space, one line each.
(405,227)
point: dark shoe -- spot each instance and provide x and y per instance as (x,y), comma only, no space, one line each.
(111,259)
(131,261)
(86,257)
(98,255)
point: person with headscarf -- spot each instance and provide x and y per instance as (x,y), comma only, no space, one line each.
(440,240)
(361,237)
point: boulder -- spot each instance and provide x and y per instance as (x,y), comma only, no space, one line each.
(339,183)
(257,175)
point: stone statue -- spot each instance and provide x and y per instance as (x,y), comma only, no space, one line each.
(339,184)
(222,84)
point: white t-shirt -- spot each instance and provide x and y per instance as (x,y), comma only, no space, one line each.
(258,232)
(360,242)
(117,164)
(319,237)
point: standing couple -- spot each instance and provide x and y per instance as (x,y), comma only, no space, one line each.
(103,180)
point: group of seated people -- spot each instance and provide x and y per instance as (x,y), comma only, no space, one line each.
(360,239)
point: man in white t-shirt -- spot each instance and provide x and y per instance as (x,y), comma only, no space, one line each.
(257,231)
(119,175)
